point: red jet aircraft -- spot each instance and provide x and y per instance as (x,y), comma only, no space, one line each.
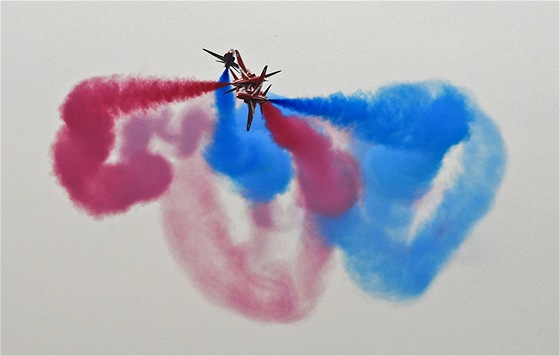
(248,80)
(228,58)
(252,98)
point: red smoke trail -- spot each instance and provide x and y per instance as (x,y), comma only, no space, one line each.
(86,140)
(242,276)
(329,178)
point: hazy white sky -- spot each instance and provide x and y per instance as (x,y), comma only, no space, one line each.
(72,284)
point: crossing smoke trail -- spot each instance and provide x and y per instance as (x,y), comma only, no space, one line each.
(85,141)
(259,168)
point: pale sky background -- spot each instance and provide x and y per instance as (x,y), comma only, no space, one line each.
(72,284)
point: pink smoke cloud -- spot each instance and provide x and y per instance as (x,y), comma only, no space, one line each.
(240,275)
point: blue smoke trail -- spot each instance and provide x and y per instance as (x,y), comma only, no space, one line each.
(416,125)
(401,116)
(258,167)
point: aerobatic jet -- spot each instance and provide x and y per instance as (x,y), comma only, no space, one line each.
(252,98)
(228,58)
(249,83)
(248,80)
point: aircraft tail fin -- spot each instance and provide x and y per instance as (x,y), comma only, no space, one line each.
(266,91)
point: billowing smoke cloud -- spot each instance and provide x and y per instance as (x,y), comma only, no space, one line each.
(394,179)
(85,142)
(400,137)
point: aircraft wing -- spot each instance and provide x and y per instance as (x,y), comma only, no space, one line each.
(229,91)
(251,106)
(240,61)
(215,55)
(271,74)
(266,91)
